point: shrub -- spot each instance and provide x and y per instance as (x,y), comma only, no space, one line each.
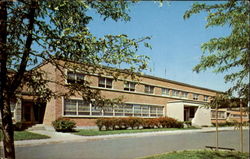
(134,122)
(121,123)
(179,124)
(18,126)
(99,123)
(167,122)
(151,123)
(64,125)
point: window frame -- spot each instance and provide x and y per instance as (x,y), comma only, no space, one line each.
(129,86)
(177,94)
(76,79)
(126,110)
(206,98)
(166,90)
(195,96)
(150,90)
(105,84)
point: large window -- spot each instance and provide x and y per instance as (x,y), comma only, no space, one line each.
(221,114)
(129,86)
(165,91)
(105,82)
(149,89)
(74,107)
(184,94)
(73,77)
(205,98)
(195,96)
(175,93)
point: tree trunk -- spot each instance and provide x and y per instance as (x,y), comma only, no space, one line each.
(7,126)
(241,129)
(8,134)
(217,131)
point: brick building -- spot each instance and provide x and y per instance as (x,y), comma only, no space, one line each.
(148,97)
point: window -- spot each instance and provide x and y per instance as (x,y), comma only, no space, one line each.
(73,107)
(70,107)
(83,108)
(149,89)
(221,114)
(184,94)
(105,82)
(75,77)
(165,91)
(76,107)
(137,110)
(205,98)
(129,86)
(175,93)
(12,108)
(145,110)
(195,96)
(128,109)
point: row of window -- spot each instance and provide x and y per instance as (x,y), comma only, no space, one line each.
(81,108)
(130,86)
(224,115)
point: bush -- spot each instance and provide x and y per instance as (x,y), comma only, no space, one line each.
(18,126)
(99,123)
(134,122)
(151,123)
(167,122)
(64,125)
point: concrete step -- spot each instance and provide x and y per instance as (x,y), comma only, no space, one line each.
(37,127)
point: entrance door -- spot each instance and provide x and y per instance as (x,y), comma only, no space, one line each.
(27,111)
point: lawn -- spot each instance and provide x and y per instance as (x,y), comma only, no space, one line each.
(129,131)
(25,135)
(200,154)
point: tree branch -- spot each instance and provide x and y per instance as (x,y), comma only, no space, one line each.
(19,75)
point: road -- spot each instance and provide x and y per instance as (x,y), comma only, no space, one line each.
(131,147)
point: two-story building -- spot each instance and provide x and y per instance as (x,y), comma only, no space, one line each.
(147,97)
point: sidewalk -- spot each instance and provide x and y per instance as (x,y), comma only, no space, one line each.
(58,137)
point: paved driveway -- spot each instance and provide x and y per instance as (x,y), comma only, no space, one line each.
(130,147)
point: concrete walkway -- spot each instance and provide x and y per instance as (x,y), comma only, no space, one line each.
(58,137)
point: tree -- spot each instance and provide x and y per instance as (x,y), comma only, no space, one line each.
(229,54)
(32,31)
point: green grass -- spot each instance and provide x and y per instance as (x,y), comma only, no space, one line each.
(25,135)
(201,154)
(111,132)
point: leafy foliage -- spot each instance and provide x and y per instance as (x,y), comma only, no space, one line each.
(229,54)
(64,125)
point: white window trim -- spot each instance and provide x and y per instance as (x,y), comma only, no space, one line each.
(112,83)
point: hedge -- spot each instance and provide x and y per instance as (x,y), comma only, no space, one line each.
(137,123)
(64,125)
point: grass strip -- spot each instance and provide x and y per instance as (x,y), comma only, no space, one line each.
(25,135)
(93,132)
(200,154)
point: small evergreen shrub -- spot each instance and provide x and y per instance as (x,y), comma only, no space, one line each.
(64,125)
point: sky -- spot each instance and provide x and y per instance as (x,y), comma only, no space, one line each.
(175,42)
